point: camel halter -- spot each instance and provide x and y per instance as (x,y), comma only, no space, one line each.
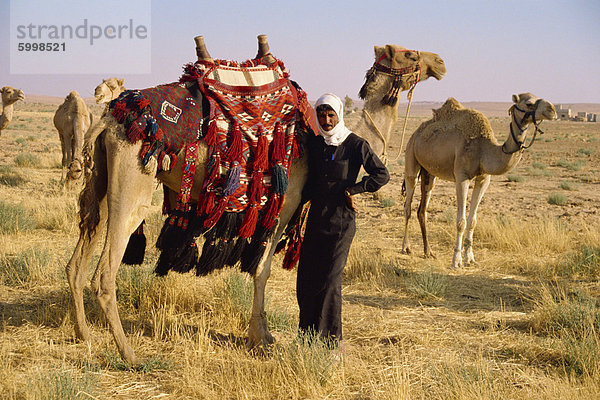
(392,95)
(526,114)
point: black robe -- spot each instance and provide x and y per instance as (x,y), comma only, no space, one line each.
(331,227)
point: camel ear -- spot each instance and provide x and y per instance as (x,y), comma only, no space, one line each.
(379,51)
(121,81)
(390,52)
(515,98)
(3,89)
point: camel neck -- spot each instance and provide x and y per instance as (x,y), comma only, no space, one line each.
(375,126)
(7,114)
(506,156)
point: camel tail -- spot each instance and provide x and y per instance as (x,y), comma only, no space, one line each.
(96,179)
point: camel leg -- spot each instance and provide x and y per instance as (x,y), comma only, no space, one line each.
(258,331)
(481,185)
(65,146)
(427,184)
(129,196)
(77,268)
(410,182)
(462,188)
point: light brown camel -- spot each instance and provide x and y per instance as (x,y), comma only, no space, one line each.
(118,194)
(108,90)
(10,95)
(72,119)
(458,145)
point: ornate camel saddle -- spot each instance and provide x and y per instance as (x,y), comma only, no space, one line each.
(251,116)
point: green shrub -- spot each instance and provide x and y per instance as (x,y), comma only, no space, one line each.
(428,284)
(10,177)
(557,199)
(27,266)
(65,384)
(539,165)
(387,202)
(586,152)
(571,166)
(515,178)
(567,186)
(28,160)
(14,218)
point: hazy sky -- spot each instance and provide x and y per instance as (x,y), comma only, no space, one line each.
(492,49)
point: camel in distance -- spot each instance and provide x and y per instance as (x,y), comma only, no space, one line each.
(118,192)
(10,96)
(72,119)
(458,145)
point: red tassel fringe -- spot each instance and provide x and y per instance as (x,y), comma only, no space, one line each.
(249,223)
(278,153)
(234,152)
(261,159)
(216,212)
(211,135)
(272,212)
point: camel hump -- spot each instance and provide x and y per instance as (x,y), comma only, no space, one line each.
(448,109)
(454,117)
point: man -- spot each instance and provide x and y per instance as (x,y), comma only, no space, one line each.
(335,158)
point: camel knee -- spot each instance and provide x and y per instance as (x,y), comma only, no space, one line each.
(461,224)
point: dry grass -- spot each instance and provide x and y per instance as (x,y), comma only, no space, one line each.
(520,324)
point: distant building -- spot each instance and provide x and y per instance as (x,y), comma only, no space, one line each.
(563,112)
(591,117)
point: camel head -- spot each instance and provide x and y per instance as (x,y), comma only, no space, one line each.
(11,95)
(398,69)
(108,90)
(528,108)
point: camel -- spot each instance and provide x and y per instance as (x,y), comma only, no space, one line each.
(108,90)
(10,96)
(458,145)
(72,119)
(118,193)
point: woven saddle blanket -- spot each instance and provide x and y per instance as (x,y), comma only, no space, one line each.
(251,127)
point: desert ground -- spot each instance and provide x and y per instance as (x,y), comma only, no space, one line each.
(521,323)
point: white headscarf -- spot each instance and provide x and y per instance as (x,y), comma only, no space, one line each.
(338,133)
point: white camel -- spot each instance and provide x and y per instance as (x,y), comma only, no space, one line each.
(458,145)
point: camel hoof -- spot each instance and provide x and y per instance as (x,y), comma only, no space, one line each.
(405,251)
(430,254)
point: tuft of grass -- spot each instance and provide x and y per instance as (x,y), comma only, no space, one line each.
(26,266)
(571,165)
(387,202)
(65,384)
(583,263)
(573,319)
(515,178)
(585,152)
(539,165)
(28,160)
(309,359)
(568,186)
(557,199)
(428,284)
(10,177)
(14,218)
(132,285)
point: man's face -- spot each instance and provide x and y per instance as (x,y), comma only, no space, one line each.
(328,119)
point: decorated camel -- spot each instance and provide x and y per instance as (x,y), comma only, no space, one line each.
(72,119)
(130,147)
(108,90)
(10,96)
(458,145)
